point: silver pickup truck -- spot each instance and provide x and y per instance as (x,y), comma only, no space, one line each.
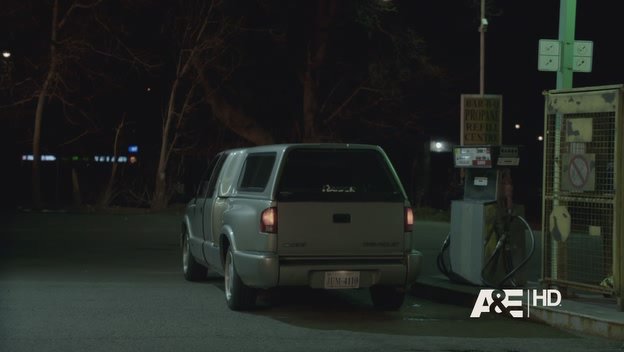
(331,216)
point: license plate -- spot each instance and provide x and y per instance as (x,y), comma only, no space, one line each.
(342,279)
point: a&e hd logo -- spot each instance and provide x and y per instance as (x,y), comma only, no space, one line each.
(509,302)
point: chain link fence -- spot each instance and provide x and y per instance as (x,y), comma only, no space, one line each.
(582,152)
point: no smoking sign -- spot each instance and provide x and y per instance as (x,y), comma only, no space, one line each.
(578,172)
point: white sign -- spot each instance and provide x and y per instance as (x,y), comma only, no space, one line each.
(579,130)
(550,53)
(583,52)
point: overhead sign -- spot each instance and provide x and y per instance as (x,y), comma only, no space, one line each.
(549,55)
(550,52)
(583,52)
(481,117)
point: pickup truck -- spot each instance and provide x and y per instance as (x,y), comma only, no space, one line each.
(329,216)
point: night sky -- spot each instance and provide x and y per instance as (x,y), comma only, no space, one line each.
(451,40)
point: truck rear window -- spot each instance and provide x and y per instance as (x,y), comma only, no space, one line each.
(256,172)
(337,175)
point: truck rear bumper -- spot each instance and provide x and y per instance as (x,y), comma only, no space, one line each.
(265,270)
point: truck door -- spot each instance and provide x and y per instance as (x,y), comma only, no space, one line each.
(207,208)
(199,202)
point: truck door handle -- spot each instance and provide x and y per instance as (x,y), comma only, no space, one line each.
(342,218)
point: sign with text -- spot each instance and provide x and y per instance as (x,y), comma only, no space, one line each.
(481,119)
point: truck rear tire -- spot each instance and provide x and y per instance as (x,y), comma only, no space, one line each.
(237,295)
(387,297)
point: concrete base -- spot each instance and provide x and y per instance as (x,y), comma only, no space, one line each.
(587,318)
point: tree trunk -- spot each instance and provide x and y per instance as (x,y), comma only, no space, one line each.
(315,58)
(310,106)
(107,195)
(159,200)
(231,116)
(43,94)
(76,189)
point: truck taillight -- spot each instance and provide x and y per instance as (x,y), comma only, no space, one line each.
(268,220)
(409,219)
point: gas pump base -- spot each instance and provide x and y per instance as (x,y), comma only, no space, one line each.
(486,243)
(473,239)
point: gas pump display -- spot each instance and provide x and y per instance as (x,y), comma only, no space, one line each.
(486,244)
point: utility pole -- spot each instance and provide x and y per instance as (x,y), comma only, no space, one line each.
(482,29)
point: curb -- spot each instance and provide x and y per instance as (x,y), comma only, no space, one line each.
(579,322)
(605,322)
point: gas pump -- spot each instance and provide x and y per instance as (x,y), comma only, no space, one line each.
(486,244)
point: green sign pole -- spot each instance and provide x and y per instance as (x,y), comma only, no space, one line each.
(567,24)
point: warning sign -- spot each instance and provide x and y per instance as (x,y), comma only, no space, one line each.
(578,172)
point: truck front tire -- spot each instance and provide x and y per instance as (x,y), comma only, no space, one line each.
(193,271)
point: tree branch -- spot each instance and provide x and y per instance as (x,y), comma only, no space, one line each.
(77,5)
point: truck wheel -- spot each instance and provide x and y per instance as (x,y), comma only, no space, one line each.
(193,271)
(387,297)
(237,295)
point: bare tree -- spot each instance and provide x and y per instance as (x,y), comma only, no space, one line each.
(83,43)
(213,66)
(52,80)
(316,54)
(202,37)
(107,196)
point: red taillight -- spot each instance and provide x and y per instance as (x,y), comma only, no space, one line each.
(268,220)
(409,219)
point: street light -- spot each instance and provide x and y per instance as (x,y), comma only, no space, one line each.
(439,146)
(6,54)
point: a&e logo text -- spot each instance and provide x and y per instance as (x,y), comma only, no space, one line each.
(510,302)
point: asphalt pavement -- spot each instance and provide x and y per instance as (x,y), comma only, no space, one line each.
(112,282)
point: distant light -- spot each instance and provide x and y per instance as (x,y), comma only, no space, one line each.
(133,159)
(110,159)
(540,138)
(149,89)
(6,54)
(517,126)
(133,148)
(75,158)
(439,146)
(45,157)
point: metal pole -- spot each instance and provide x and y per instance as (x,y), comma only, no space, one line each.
(482,28)
(567,24)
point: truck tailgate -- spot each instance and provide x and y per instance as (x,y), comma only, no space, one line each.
(340,229)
